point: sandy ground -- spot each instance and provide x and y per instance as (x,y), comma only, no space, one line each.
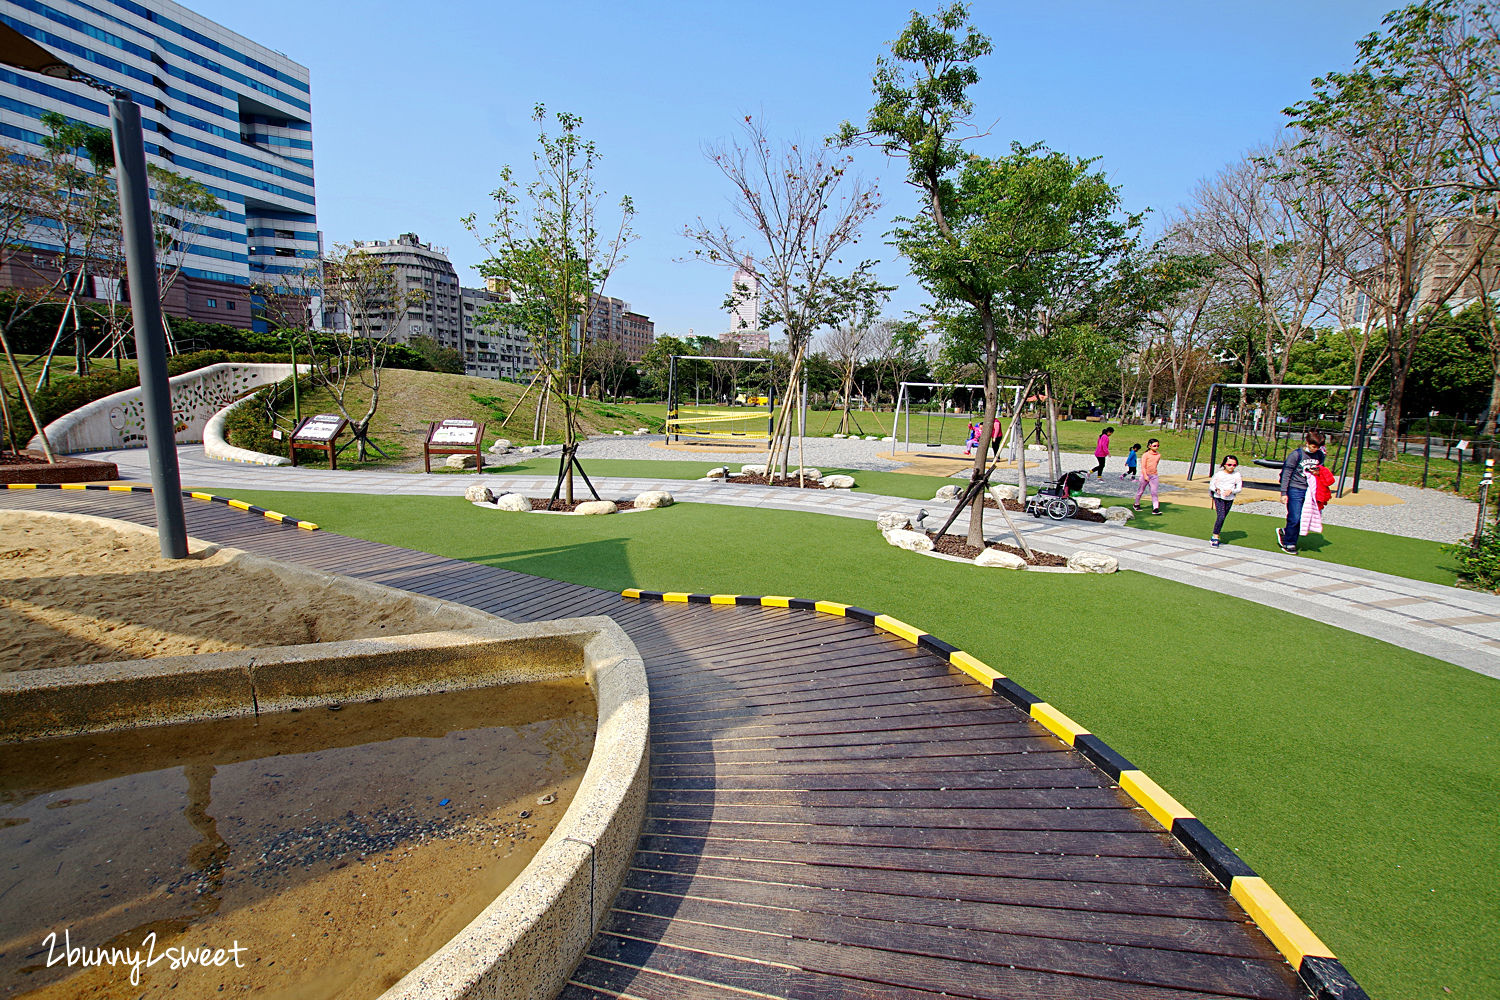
(76,591)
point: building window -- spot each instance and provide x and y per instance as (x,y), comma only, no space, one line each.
(211,303)
(229,304)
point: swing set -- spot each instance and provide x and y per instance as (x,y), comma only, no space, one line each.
(716,423)
(902,417)
(1251,425)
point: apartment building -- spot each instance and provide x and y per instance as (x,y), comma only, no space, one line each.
(492,349)
(612,321)
(429,285)
(227,112)
(1455,244)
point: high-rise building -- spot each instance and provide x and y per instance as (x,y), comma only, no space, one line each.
(215,107)
(425,276)
(491,349)
(744,316)
(1454,246)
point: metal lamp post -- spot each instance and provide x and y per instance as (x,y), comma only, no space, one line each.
(133,189)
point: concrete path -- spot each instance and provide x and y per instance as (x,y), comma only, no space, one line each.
(1459,626)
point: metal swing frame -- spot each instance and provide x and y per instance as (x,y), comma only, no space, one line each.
(674,420)
(903,399)
(1355,435)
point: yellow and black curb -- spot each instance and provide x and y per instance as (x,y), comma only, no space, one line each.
(1323,974)
(279,518)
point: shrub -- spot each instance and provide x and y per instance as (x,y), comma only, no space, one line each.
(1478,565)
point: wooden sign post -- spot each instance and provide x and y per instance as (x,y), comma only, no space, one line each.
(454,437)
(319,433)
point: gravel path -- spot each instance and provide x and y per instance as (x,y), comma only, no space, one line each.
(1430,514)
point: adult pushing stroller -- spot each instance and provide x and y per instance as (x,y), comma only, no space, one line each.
(1056,499)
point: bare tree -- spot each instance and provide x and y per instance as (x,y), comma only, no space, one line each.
(847,346)
(802,210)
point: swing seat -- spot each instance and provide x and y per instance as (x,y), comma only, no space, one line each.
(1268,463)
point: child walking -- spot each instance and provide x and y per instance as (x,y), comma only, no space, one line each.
(1149,461)
(1101,451)
(1130,462)
(1224,487)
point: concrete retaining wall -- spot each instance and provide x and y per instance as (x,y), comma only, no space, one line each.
(119,420)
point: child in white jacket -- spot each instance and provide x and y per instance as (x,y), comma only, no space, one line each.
(1224,487)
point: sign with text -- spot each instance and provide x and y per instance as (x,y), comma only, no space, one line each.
(322,428)
(456,433)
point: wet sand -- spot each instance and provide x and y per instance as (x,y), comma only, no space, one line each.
(319,842)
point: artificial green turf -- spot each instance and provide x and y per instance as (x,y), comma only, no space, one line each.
(1355,776)
(1413,558)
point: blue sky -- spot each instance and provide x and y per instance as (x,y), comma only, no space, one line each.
(416,106)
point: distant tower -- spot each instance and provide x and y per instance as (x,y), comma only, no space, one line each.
(745,290)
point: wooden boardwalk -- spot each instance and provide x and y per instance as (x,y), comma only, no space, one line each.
(835,813)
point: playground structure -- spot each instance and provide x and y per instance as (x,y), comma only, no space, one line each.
(1261,428)
(744,423)
(902,418)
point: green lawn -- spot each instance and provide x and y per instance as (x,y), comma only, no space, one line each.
(1413,558)
(1357,777)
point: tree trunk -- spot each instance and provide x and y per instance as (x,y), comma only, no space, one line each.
(26,401)
(987,425)
(1391,437)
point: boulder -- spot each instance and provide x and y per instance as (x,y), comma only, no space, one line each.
(948,493)
(888,437)
(462,462)
(1087,503)
(618,433)
(752,470)
(596,507)
(1118,516)
(719,473)
(840,437)
(1036,447)
(914,541)
(479,494)
(654,498)
(838,482)
(1093,562)
(512,501)
(999,559)
(1005,492)
(871,437)
(501,446)
(814,474)
(640,430)
(891,520)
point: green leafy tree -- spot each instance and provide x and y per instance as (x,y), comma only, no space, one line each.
(546,248)
(440,358)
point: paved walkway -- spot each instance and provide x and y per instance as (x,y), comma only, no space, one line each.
(1462,627)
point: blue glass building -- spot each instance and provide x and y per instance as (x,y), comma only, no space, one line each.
(229,113)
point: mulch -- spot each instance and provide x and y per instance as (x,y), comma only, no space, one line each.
(757,479)
(33,467)
(560,507)
(957,545)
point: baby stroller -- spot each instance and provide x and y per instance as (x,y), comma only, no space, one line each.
(1056,499)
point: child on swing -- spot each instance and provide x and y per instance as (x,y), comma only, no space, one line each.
(973,441)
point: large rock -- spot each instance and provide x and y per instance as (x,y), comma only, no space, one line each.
(462,462)
(720,473)
(1087,503)
(501,446)
(872,437)
(479,494)
(618,433)
(948,493)
(891,520)
(915,541)
(840,437)
(1003,492)
(1118,516)
(838,482)
(512,501)
(814,474)
(888,437)
(596,507)
(654,498)
(1036,447)
(752,470)
(1093,562)
(640,430)
(999,559)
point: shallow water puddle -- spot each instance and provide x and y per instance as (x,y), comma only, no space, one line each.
(314,854)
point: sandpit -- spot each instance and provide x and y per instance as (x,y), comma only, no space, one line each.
(77,589)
